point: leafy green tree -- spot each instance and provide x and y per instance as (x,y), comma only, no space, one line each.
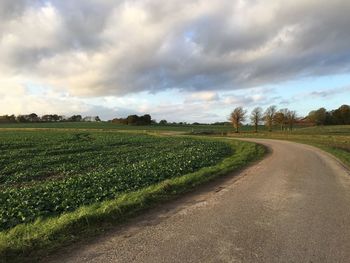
(132,119)
(319,117)
(75,118)
(145,120)
(341,115)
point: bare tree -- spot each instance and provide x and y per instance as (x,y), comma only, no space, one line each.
(256,117)
(291,118)
(237,117)
(269,116)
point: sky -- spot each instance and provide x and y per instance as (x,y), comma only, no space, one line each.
(183,60)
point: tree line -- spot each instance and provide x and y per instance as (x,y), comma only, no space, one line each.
(33,117)
(284,118)
(340,116)
(134,120)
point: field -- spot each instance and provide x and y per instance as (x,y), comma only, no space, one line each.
(112,126)
(56,183)
(187,128)
(65,181)
(49,173)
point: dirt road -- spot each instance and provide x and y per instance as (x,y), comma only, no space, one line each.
(293,206)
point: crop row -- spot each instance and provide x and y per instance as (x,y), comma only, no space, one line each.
(49,173)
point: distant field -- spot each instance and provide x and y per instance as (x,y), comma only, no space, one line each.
(108,126)
(326,130)
(187,128)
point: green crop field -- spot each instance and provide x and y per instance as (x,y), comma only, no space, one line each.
(113,126)
(187,128)
(48,173)
(57,182)
(60,181)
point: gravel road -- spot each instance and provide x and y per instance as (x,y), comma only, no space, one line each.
(293,206)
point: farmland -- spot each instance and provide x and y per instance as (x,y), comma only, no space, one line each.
(49,173)
(61,183)
(121,127)
(51,179)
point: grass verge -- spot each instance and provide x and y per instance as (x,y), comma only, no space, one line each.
(340,153)
(29,242)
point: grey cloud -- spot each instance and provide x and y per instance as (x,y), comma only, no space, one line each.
(330,92)
(10,8)
(284,102)
(118,47)
(251,100)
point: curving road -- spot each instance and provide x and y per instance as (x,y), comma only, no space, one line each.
(293,206)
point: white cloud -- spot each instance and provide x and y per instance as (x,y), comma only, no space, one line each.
(99,48)
(119,47)
(330,92)
(202,96)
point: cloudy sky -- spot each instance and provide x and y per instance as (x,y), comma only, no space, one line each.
(183,60)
